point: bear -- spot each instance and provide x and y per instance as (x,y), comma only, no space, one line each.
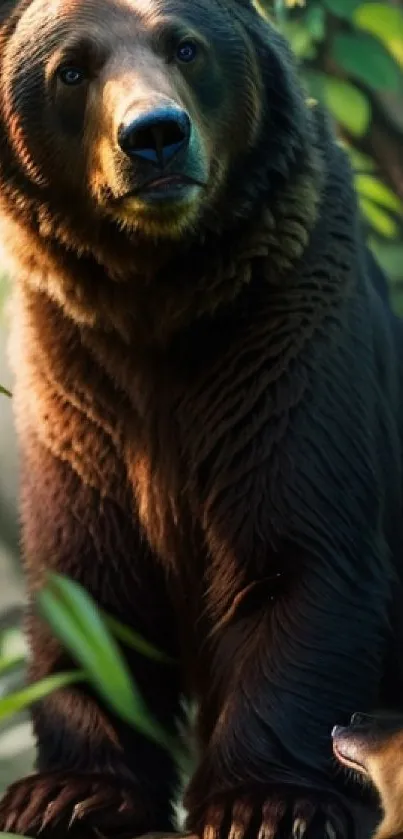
(372,747)
(208,394)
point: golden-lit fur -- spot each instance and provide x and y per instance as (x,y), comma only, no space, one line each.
(386,773)
(373,748)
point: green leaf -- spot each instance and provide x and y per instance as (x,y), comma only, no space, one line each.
(342,8)
(361,162)
(21,699)
(12,641)
(5,392)
(316,85)
(366,59)
(10,662)
(280,14)
(381,221)
(389,256)
(134,640)
(302,43)
(12,836)
(373,188)
(315,22)
(76,621)
(385,22)
(349,106)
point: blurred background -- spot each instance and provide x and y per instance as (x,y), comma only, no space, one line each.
(351,54)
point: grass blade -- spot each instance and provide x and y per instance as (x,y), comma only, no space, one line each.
(132,639)
(76,620)
(21,699)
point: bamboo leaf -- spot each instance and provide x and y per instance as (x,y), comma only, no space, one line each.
(10,662)
(134,640)
(19,700)
(77,622)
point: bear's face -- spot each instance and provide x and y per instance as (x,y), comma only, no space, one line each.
(135,110)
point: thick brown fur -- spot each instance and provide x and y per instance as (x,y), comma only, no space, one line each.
(372,746)
(208,400)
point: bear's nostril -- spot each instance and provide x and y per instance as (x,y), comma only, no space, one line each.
(157,136)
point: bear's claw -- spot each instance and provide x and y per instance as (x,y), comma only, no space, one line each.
(78,806)
(280,816)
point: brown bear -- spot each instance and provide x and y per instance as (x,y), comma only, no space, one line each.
(208,400)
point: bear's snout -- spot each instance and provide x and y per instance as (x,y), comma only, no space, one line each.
(154,163)
(156,142)
(157,135)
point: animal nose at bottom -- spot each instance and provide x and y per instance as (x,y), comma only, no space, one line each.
(156,136)
(359,719)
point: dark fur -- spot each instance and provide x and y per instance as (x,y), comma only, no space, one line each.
(209,426)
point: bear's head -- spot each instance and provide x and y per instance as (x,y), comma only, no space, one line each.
(152,117)
(149,141)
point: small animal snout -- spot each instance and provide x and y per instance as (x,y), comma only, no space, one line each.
(156,136)
(360,719)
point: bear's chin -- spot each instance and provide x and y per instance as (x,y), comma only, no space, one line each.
(159,216)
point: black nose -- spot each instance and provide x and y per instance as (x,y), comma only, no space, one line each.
(156,136)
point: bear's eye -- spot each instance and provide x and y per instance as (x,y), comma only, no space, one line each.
(186,52)
(71,75)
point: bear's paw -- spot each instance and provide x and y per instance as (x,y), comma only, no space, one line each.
(55,805)
(282,814)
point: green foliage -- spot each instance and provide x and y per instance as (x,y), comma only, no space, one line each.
(9,662)
(384,22)
(132,639)
(12,836)
(89,636)
(342,8)
(378,203)
(349,106)
(77,622)
(21,699)
(351,50)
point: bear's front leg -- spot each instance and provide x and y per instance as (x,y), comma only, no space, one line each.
(97,776)
(282,672)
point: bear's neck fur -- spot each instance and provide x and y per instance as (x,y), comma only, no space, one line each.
(149,293)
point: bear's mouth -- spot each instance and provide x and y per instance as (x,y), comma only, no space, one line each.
(165,187)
